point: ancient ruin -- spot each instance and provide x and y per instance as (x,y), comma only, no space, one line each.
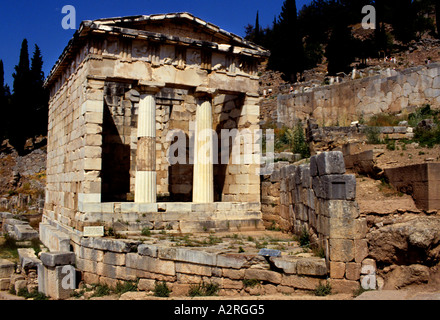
(122,92)
(157,177)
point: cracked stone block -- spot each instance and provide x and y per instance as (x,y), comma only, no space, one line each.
(52,259)
(338,187)
(330,163)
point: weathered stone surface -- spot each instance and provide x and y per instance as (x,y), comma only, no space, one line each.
(193,269)
(148,250)
(338,187)
(311,266)
(6,268)
(52,259)
(341,250)
(25,232)
(52,282)
(330,163)
(263,275)
(187,255)
(110,244)
(343,285)
(145,263)
(409,242)
(235,261)
(403,276)
(337,270)
(298,282)
(114,258)
(287,265)
(353,271)
(146,284)
(27,257)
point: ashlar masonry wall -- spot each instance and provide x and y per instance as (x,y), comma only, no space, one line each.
(340,104)
(319,198)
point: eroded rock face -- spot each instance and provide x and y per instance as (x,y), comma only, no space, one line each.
(413,242)
(402,276)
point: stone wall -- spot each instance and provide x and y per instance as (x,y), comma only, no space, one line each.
(95,90)
(422,181)
(109,261)
(340,104)
(319,198)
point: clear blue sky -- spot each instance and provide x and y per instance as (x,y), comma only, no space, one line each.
(40,21)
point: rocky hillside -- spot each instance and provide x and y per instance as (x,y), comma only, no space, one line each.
(23,177)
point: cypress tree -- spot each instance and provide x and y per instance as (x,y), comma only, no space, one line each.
(20,113)
(40,101)
(437,16)
(288,52)
(2,101)
(257,29)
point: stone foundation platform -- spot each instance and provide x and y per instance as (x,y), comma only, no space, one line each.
(181,217)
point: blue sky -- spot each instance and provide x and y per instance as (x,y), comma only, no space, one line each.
(40,21)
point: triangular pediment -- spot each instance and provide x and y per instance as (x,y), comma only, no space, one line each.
(180,25)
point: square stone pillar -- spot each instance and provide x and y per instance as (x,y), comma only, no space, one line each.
(203,177)
(145,184)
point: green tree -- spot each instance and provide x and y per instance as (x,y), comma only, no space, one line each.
(20,113)
(2,101)
(287,52)
(39,94)
(299,141)
(339,51)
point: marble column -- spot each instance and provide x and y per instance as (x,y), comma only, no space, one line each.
(203,178)
(145,183)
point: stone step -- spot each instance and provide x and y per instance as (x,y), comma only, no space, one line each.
(7,268)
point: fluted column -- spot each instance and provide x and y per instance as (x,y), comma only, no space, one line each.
(203,178)
(145,183)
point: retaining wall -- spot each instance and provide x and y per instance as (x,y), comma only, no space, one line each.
(342,103)
(319,198)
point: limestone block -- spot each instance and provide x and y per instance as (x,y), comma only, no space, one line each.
(298,282)
(4,284)
(27,257)
(148,250)
(52,259)
(145,263)
(194,269)
(263,275)
(353,271)
(90,254)
(113,258)
(53,238)
(338,187)
(7,268)
(288,265)
(343,285)
(313,166)
(56,282)
(337,270)
(360,250)
(341,250)
(146,284)
(311,266)
(330,163)
(235,274)
(235,261)
(188,255)
(24,232)
(121,246)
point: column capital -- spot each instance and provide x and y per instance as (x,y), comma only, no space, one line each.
(150,87)
(205,92)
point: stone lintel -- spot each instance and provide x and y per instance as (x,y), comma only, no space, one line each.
(150,87)
(205,92)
